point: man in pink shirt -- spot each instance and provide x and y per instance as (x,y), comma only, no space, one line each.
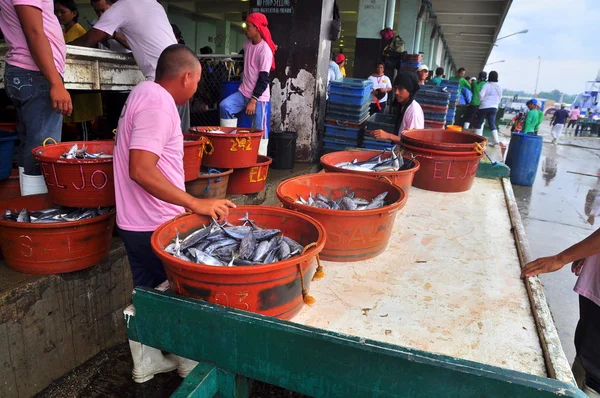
(35,64)
(573,116)
(253,94)
(149,180)
(585,257)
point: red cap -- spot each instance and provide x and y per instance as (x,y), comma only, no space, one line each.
(339,58)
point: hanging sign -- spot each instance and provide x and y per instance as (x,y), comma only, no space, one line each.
(273,7)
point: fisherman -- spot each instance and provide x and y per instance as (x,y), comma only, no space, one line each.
(460,78)
(439,76)
(149,179)
(422,74)
(540,118)
(340,60)
(119,43)
(133,18)
(585,259)
(531,120)
(573,116)
(382,85)
(558,123)
(254,93)
(410,114)
(335,68)
(33,78)
(489,97)
(475,102)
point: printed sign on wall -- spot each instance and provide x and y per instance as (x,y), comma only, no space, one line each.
(273,7)
(371,18)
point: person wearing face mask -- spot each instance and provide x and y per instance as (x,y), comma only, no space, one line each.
(410,113)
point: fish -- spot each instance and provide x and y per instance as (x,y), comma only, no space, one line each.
(75,153)
(379,164)
(349,201)
(227,245)
(54,215)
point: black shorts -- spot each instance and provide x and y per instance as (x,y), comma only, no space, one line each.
(146,268)
(587,341)
(571,123)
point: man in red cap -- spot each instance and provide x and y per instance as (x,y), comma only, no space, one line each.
(253,94)
(340,59)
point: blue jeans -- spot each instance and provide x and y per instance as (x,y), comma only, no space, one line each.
(490,114)
(30,93)
(236,103)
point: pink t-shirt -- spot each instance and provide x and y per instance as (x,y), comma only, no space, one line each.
(146,27)
(149,121)
(257,58)
(588,283)
(413,118)
(18,53)
(574,114)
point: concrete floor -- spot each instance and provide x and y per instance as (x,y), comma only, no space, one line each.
(556,212)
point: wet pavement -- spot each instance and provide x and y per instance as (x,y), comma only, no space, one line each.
(560,209)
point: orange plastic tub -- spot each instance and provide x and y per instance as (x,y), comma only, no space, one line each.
(251,179)
(403,178)
(53,248)
(443,140)
(443,171)
(454,127)
(272,289)
(84,183)
(192,156)
(229,151)
(213,186)
(351,235)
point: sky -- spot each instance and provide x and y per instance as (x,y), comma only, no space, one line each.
(564,33)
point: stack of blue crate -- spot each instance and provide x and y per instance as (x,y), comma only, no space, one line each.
(379,121)
(434,101)
(452,88)
(347,112)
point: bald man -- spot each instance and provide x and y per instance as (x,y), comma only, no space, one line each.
(149,180)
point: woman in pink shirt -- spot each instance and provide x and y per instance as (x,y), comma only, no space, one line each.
(410,114)
(585,257)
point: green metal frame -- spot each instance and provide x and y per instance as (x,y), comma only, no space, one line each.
(235,346)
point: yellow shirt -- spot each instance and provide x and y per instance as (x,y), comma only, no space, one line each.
(343,70)
(86,106)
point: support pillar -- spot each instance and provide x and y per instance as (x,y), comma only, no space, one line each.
(390,12)
(407,22)
(299,80)
(371,19)
(431,54)
(426,40)
(222,37)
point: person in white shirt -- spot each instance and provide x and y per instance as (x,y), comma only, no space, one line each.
(382,85)
(335,68)
(490,96)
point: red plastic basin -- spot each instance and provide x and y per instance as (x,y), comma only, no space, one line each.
(271,289)
(250,179)
(229,151)
(192,156)
(351,235)
(443,140)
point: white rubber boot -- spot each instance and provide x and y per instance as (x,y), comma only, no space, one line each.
(479,131)
(466,125)
(496,139)
(32,185)
(184,365)
(229,122)
(148,361)
(264,145)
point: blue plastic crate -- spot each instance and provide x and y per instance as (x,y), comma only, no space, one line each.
(348,86)
(434,116)
(350,116)
(431,101)
(382,121)
(348,99)
(342,131)
(377,145)
(338,145)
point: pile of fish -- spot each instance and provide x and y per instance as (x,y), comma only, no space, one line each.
(229,245)
(76,153)
(55,214)
(378,164)
(347,202)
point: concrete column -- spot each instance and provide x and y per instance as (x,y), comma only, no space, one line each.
(371,19)
(407,22)
(222,37)
(299,81)
(390,13)
(418,34)
(431,54)
(426,41)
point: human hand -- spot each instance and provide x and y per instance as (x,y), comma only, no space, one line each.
(215,208)
(61,100)
(542,265)
(577,266)
(251,107)
(380,135)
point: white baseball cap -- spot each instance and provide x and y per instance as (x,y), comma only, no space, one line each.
(422,67)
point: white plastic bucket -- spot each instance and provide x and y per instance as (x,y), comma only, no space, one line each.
(32,185)
(229,122)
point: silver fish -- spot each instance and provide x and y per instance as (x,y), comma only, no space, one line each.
(261,250)
(347,204)
(247,246)
(23,216)
(218,244)
(203,258)
(195,237)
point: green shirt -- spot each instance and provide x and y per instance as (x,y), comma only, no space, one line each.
(462,82)
(477,86)
(437,80)
(531,121)
(540,119)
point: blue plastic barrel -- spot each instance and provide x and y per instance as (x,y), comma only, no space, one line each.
(228,88)
(523,158)
(7,146)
